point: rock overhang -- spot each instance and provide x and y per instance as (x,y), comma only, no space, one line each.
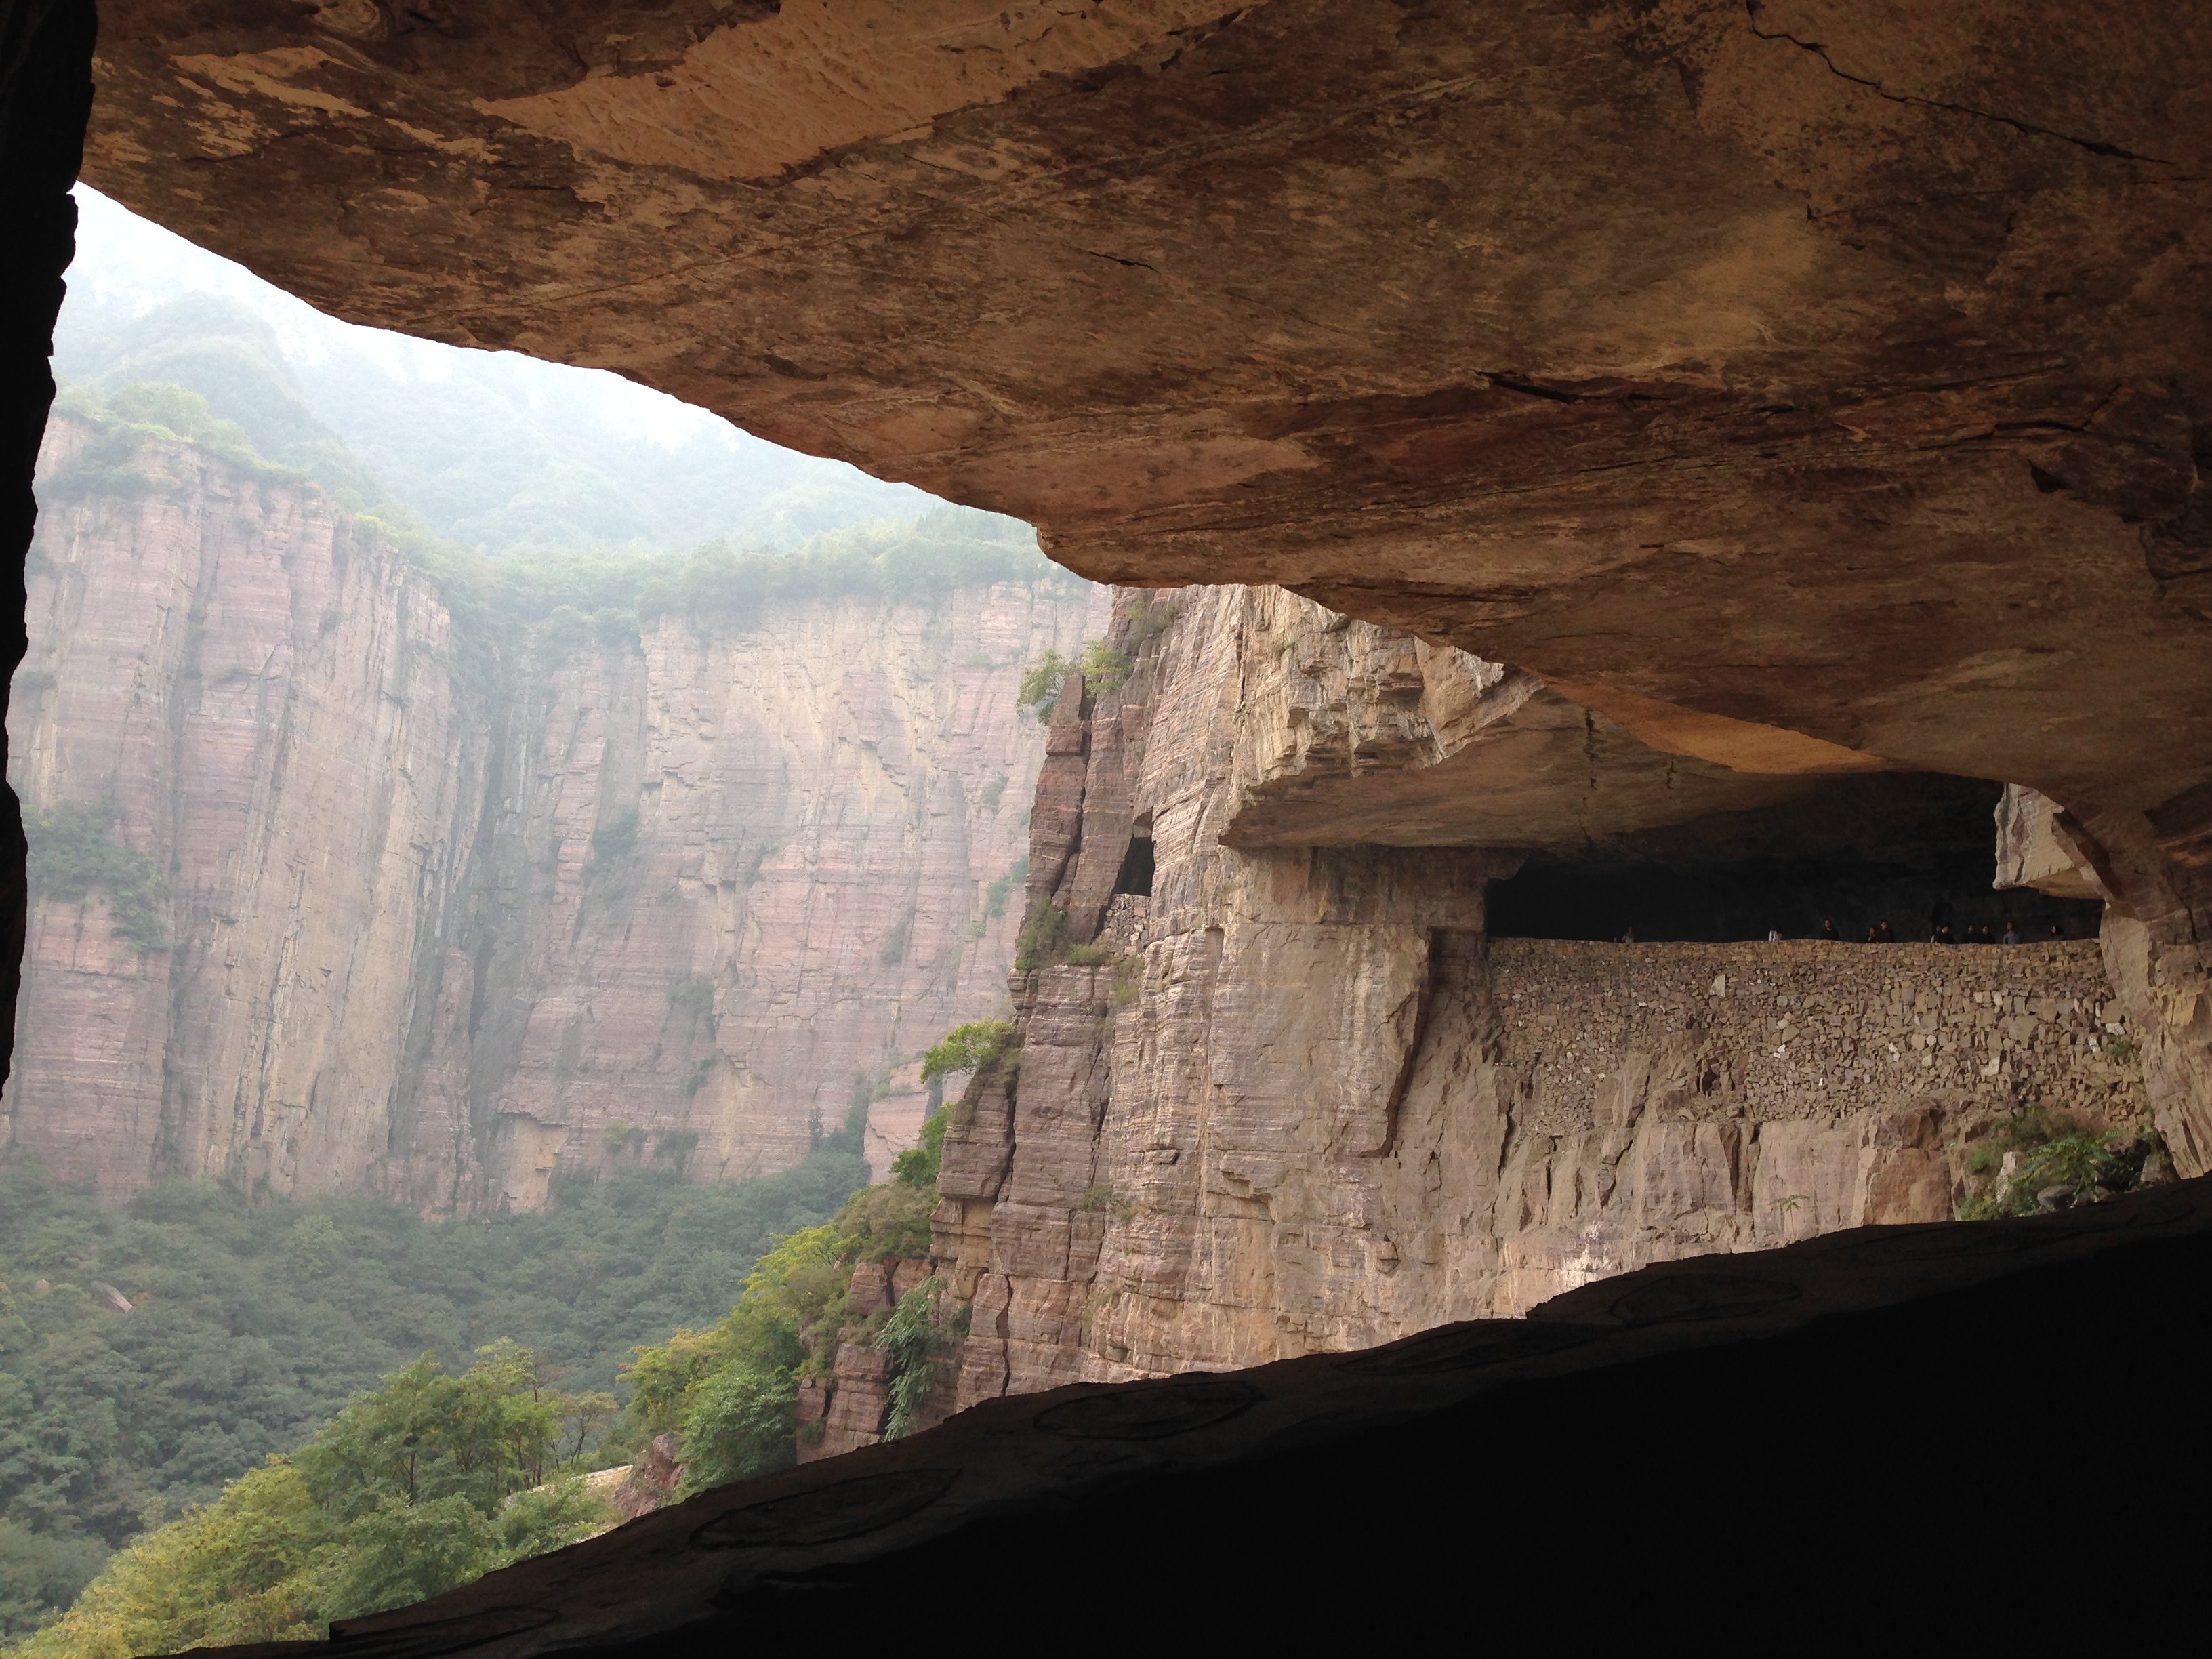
(1823,372)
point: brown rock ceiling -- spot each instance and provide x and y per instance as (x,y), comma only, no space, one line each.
(1799,385)
(1834,368)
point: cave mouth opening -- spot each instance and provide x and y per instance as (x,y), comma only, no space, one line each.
(1914,850)
(1135,875)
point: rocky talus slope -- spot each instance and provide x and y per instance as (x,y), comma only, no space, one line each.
(1295,1097)
(445,926)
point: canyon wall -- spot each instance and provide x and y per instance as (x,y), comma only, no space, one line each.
(259,696)
(1294,1097)
(736,877)
(415,916)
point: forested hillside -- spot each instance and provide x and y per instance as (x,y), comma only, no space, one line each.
(149,1355)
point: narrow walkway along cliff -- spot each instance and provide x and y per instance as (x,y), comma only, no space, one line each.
(1279,1088)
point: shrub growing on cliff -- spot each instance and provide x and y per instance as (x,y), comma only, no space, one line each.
(969,1048)
(73,855)
(894,949)
(1039,691)
(616,837)
(1103,668)
(916,1340)
(2047,1149)
(1043,941)
(1001,889)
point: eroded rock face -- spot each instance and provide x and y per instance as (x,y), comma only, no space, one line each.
(445,928)
(1797,384)
(1305,1102)
(1785,364)
(264,692)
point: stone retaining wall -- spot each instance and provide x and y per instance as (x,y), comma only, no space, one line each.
(1808,1028)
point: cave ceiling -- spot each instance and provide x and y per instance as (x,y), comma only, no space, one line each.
(1744,370)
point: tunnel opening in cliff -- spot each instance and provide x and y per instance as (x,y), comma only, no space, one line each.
(1913,851)
(1134,879)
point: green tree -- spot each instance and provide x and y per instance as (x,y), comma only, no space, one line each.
(737,1423)
(418,1486)
(1039,691)
(969,1048)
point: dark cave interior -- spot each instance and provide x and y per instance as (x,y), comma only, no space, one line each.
(1916,851)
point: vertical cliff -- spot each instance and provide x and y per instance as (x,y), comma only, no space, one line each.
(1279,1090)
(336,896)
(252,694)
(747,873)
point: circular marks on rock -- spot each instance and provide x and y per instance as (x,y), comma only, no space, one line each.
(1150,1411)
(846,1509)
(437,1635)
(1469,1347)
(1679,1297)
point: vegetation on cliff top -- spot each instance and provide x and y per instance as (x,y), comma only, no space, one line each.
(251,1322)
(555,601)
(1102,667)
(488,451)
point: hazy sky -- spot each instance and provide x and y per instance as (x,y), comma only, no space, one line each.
(123,258)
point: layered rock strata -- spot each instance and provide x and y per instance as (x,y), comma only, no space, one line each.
(1777,379)
(1295,1098)
(448,926)
(738,878)
(259,693)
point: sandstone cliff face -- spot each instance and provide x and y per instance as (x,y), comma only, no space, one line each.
(447,929)
(748,871)
(1775,379)
(267,696)
(1304,1103)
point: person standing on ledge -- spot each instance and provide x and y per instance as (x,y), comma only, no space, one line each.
(1828,928)
(2011,933)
